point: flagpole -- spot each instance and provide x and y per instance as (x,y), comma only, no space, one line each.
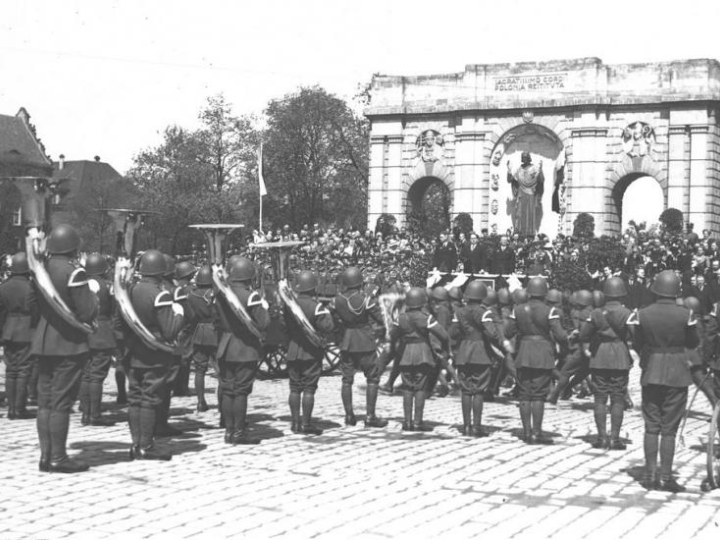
(260,190)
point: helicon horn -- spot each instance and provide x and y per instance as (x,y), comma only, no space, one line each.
(215,236)
(36,194)
(127,222)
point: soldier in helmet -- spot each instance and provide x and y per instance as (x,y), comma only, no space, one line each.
(538,328)
(663,333)
(18,315)
(304,357)
(184,272)
(356,315)
(479,331)
(411,335)
(203,340)
(239,350)
(442,311)
(61,349)
(147,366)
(606,332)
(102,344)
(698,356)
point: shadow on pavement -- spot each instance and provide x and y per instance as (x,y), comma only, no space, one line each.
(98,453)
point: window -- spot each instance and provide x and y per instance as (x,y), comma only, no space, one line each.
(17,217)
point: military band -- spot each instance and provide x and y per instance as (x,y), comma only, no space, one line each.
(471,336)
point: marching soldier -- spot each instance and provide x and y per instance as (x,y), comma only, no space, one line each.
(443,313)
(147,369)
(18,315)
(304,358)
(61,350)
(412,335)
(479,331)
(663,332)
(538,328)
(606,332)
(102,344)
(356,313)
(184,272)
(239,350)
(201,301)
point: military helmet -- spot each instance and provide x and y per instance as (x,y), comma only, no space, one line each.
(415,298)
(614,287)
(204,277)
(19,264)
(476,290)
(440,294)
(583,298)
(692,303)
(351,277)
(63,239)
(152,263)
(169,266)
(95,265)
(306,281)
(504,297)
(537,287)
(679,301)
(598,299)
(184,269)
(492,298)
(455,293)
(666,284)
(520,296)
(554,297)
(242,269)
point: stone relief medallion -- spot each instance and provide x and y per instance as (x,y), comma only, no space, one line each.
(528,116)
(638,139)
(429,145)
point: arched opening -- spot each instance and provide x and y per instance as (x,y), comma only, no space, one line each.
(639,198)
(428,209)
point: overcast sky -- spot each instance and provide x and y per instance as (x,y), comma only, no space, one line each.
(106,77)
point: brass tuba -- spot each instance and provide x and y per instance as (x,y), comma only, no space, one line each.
(215,235)
(281,257)
(36,194)
(127,222)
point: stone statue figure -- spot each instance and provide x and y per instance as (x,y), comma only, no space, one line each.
(527,186)
(429,146)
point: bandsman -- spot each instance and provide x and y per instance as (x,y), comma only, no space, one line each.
(204,341)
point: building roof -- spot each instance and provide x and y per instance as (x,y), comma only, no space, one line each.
(82,173)
(21,152)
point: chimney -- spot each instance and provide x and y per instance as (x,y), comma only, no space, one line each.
(61,163)
(97,159)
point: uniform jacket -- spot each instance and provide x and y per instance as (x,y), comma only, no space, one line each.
(411,334)
(445,257)
(538,328)
(712,339)
(606,331)
(479,330)
(237,343)
(502,261)
(154,308)
(663,332)
(104,336)
(18,310)
(53,336)
(201,307)
(299,346)
(359,317)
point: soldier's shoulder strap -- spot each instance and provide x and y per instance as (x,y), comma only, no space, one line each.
(78,278)
(634,318)
(163,299)
(254,299)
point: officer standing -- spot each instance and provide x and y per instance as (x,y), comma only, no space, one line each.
(356,313)
(61,349)
(538,328)
(201,301)
(304,358)
(184,272)
(18,315)
(606,332)
(411,335)
(102,344)
(148,366)
(239,350)
(663,332)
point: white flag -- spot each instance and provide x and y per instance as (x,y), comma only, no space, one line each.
(263,190)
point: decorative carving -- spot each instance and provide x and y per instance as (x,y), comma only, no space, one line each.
(528,117)
(494,207)
(430,145)
(638,139)
(497,156)
(494,181)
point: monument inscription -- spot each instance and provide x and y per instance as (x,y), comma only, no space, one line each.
(523,83)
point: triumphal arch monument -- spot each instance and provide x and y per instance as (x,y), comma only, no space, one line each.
(531,145)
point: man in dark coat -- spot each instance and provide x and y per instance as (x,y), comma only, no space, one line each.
(502,260)
(445,257)
(203,340)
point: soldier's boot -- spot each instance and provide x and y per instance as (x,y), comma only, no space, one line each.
(221,421)
(466,404)
(628,404)
(418,424)
(347,401)
(667,455)
(705,385)
(306,425)
(11,395)
(394,374)
(227,416)
(147,450)
(59,460)
(650,448)
(294,402)
(180,385)
(134,424)
(526,420)
(371,420)
(443,389)
(408,397)
(240,434)
(559,389)
(202,405)
(617,411)
(537,409)
(600,413)
(121,390)
(162,427)
(43,429)
(477,408)
(21,398)
(584,390)
(84,398)
(96,418)
(33,384)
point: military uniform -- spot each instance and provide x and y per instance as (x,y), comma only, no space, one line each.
(18,314)
(204,340)
(181,295)
(576,365)
(711,352)
(443,313)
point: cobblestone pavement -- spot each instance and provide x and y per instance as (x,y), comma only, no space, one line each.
(353,482)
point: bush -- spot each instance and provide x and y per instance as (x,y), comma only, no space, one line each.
(463,222)
(584,226)
(385,224)
(672,221)
(568,275)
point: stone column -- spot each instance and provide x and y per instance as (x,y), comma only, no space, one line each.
(678,172)
(588,191)
(385,193)
(700,187)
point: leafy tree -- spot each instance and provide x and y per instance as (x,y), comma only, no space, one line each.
(385,224)
(463,222)
(584,226)
(569,275)
(672,221)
